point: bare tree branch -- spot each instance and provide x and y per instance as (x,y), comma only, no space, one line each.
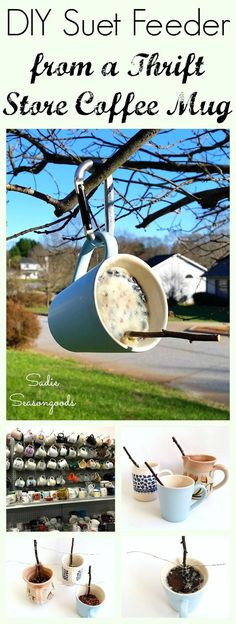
(182,172)
(207,199)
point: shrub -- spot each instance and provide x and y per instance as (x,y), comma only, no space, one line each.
(22,326)
(204,298)
(30,298)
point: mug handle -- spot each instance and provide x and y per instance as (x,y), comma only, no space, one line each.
(203,490)
(225,478)
(183,609)
(102,239)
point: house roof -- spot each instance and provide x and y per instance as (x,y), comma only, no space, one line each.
(155,260)
(220,269)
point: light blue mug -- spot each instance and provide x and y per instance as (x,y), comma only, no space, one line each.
(85,610)
(184,603)
(74,318)
(175,497)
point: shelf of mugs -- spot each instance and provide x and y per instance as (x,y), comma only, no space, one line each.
(44,502)
(64,520)
(58,461)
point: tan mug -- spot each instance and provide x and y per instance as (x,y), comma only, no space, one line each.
(201,468)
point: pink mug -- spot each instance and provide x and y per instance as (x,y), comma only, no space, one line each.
(202,469)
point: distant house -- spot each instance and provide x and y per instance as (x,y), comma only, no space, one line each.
(179,276)
(217,278)
(30,269)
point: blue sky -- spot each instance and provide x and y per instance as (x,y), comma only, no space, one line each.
(24,212)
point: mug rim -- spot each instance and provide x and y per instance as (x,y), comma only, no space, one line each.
(30,569)
(140,263)
(93,587)
(190,561)
(198,459)
(144,468)
(178,476)
(67,557)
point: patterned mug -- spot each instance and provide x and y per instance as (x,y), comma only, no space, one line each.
(201,468)
(39,593)
(71,575)
(144,484)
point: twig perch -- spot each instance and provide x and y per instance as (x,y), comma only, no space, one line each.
(38,564)
(154,474)
(89,582)
(71,551)
(131,458)
(164,333)
(185,552)
(179,447)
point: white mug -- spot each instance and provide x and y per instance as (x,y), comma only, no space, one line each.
(62,463)
(25,497)
(63,450)
(41,465)
(72,438)
(19,448)
(41,452)
(20,483)
(11,498)
(18,463)
(52,451)
(50,439)
(51,481)
(145,485)
(71,575)
(93,525)
(52,464)
(30,464)
(41,480)
(74,318)
(103,491)
(71,452)
(29,437)
(82,493)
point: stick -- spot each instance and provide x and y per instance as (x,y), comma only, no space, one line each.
(71,551)
(154,474)
(185,552)
(179,447)
(127,452)
(164,333)
(38,565)
(89,583)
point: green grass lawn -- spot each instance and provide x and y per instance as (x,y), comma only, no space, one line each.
(97,394)
(188,312)
(39,310)
(196,313)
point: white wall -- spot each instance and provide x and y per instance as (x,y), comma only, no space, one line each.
(86,427)
(175,265)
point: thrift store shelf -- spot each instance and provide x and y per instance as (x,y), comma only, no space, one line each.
(60,502)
